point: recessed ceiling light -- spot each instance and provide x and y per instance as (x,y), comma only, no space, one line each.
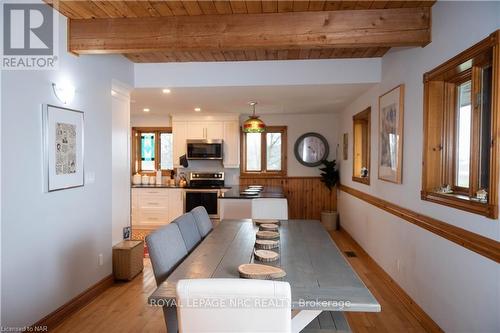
(197,109)
(146,110)
(166,91)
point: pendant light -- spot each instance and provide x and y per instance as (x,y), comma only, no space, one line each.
(253,124)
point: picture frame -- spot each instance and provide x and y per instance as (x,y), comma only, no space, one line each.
(63,148)
(390,135)
(345,146)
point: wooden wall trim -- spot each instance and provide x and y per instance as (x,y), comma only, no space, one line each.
(423,318)
(55,318)
(484,246)
(307,196)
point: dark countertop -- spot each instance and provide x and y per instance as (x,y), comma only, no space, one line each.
(267,192)
(154,186)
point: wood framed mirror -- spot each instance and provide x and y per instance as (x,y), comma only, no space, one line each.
(361,147)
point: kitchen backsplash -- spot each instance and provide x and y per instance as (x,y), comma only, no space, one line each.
(232,176)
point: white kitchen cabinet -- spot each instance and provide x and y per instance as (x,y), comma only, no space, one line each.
(208,127)
(175,203)
(196,130)
(214,130)
(154,207)
(208,130)
(231,144)
(180,135)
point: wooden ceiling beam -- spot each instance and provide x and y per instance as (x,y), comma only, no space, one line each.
(290,30)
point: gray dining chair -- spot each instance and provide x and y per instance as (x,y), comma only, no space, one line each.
(189,230)
(202,219)
(166,249)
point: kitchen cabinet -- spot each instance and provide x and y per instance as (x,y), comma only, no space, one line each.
(214,130)
(225,127)
(154,207)
(179,137)
(231,144)
(196,131)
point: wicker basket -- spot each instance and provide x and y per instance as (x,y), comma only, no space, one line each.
(128,259)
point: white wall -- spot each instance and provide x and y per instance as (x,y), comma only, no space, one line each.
(51,241)
(150,120)
(459,289)
(121,151)
(257,73)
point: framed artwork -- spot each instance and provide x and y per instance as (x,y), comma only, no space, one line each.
(390,141)
(345,144)
(62,148)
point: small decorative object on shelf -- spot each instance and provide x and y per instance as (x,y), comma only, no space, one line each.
(446,189)
(482,195)
(364,172)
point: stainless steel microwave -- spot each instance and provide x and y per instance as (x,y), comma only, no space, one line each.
(204,150)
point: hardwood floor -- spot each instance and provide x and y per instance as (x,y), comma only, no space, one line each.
(123,308)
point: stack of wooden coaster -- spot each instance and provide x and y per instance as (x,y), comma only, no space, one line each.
(267,234)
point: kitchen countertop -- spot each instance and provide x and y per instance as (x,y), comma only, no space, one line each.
(185,187)
(267,192)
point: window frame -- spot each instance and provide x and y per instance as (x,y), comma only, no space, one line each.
(136,149)
(264,172)
(365,118)
(440,128)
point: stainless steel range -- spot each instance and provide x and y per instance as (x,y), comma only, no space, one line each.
(204,189)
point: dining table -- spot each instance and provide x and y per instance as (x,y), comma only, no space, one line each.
(323,284)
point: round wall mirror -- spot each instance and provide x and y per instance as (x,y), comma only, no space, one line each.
(311,149)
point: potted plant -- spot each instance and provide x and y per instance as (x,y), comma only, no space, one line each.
(330,177)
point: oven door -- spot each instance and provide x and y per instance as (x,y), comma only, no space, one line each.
(204,150)
(206,198)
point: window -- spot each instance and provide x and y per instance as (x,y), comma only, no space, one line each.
(152,149)
(264,154)
(460,117)
(361,147)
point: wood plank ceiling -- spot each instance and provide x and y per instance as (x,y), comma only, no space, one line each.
(81,11)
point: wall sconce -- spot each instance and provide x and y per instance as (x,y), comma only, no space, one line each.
(64,92)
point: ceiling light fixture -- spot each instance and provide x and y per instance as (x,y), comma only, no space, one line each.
(197,109)
(166,91)
(253,124)
(146,110)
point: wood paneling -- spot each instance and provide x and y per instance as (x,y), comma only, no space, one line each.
(55,318)
(281,31)
(79,9)
(307,196)
(484,246)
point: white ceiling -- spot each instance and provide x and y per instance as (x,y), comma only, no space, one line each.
(271,99)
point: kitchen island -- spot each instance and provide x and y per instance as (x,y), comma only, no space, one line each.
(242,202)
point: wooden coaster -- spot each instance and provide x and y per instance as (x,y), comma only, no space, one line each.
(268,226)
(266,244)
(265,255)
(268,235)
(261,272)
(266,221)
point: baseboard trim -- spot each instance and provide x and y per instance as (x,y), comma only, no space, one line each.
(423,318)
(58,316)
